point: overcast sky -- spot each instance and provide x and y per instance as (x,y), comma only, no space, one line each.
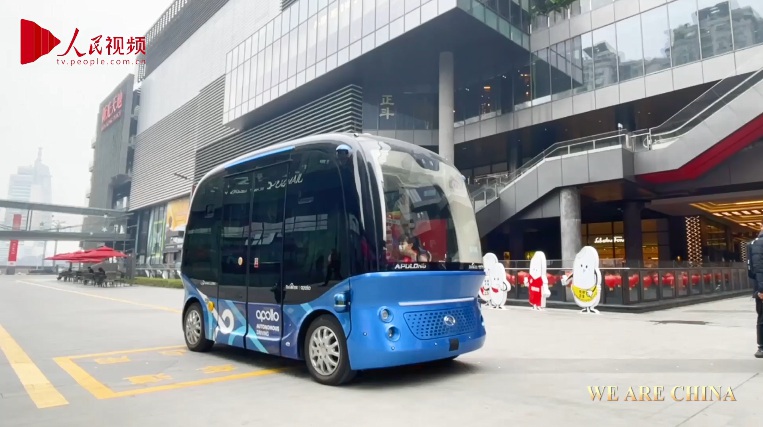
(53,106)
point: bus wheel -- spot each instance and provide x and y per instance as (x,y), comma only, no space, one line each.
(193,329)
(325,351)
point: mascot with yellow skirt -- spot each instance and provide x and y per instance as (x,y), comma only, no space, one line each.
(585,280)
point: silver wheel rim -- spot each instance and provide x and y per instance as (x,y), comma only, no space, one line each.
(324,351)
(193,327)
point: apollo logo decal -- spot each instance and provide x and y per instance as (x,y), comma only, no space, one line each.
(413,266)
(269,315)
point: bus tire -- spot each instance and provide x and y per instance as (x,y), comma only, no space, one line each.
(325,350)
(194,329)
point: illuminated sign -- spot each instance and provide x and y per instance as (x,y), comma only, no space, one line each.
(111,112)
(603,240)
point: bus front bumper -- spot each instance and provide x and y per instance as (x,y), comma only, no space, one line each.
(372,352)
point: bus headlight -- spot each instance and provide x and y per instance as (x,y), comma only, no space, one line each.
(393,334)
(385,315)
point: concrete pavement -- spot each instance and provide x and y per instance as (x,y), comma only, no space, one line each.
(116,356)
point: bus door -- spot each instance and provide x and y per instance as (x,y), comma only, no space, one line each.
(264,297)
(234,256)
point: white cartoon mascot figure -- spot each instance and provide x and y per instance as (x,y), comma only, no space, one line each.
(537,283)
(585,280)
(499,285)
(487,261)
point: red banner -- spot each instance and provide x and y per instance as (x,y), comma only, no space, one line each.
(13,252)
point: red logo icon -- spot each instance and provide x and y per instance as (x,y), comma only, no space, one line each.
(35,41)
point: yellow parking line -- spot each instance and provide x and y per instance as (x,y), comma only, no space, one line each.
(85,380)
(36,384)
(114,353)
(101,391)
(205,381)
(124,301)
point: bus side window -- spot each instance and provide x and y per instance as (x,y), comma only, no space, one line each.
(200,246)
(315,238)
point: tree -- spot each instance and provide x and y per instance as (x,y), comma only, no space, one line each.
(545,7)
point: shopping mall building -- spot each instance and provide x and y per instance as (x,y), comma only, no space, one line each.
(593,126)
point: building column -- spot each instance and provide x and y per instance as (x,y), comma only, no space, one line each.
(446,106)
(514,160)
(633,235)
(569,208)
(517,243)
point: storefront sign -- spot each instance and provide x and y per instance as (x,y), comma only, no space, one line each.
(605,240)
(177,218)
(112,111)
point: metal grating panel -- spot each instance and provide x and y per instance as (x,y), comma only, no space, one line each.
(285,4)
(427,325)
(340,111)
(174,27)
(209,127)
(694,240)
(168,148)
(743,251)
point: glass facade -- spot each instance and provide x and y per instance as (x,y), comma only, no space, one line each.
(313,37)
(408,108)
(308,39)
(675,34)
(609,240)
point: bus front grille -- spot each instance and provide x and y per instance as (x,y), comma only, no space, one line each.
(427,325)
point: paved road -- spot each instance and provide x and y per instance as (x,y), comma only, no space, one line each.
(76,355)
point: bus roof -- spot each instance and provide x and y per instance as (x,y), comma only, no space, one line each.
(279,147)
(348,138)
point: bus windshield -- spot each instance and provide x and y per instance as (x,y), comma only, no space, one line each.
(428,214)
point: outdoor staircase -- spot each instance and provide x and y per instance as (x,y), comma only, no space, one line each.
(713,117)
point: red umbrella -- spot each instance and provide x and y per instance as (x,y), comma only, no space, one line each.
(90,260)
(59,257)
(67,256)
(106,252)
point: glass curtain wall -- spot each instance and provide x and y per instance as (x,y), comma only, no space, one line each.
(675,34)
(609,240)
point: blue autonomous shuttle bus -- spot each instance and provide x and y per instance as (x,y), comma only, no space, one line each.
(349,251)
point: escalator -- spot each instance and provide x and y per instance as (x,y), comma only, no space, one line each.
(714,126)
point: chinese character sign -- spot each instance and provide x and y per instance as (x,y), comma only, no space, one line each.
(387,107)
(111,111)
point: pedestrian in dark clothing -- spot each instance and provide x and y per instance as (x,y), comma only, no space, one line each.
(755,272)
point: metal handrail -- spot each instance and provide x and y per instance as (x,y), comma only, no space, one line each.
(744,84)
(495,182)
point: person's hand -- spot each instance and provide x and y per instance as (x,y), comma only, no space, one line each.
(760,295)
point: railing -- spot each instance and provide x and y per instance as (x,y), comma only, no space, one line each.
(622,263)
(707,104)
(158,271)
(491,185)
(629,286)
